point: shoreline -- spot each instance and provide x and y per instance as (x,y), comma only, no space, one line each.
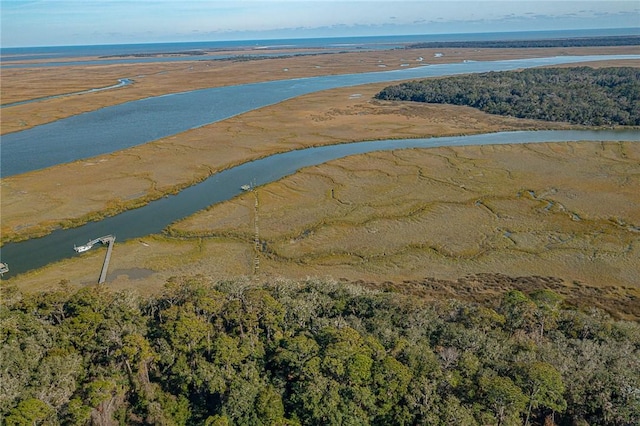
(122,83)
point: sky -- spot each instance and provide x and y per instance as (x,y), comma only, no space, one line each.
(85,22)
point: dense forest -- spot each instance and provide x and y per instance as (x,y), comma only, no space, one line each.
(311,353)
(579,95)
(520,44)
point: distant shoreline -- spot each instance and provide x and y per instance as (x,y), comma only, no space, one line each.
(354,43)
(607,41)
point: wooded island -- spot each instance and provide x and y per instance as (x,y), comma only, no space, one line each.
(578,95)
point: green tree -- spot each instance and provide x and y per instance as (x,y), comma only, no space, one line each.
(30,412)
(518,310)
(543,387)
(76,413)
(505,399)
(269,407)
(453,412)
(548,309)
(390,383)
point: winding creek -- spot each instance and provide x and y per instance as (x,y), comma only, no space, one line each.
(121,83)
(156,216)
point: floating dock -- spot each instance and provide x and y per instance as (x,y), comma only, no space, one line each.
(4,268)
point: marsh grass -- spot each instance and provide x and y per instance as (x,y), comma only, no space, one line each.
(387,219)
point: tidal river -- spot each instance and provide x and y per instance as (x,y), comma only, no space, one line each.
(138,122)
(157,215)
(94,133)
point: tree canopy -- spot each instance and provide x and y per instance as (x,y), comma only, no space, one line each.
(578,95)
(313,352)
(628,40)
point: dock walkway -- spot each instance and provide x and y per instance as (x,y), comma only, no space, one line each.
(110,239)
(107,239)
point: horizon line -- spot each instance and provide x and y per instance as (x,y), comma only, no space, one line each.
(633,30)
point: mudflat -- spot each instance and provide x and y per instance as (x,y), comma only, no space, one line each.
(412,216)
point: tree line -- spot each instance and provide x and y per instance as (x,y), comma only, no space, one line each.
(308,353)
(540,43)
(577,95)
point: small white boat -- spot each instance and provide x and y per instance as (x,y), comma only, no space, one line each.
(245,187)
(4,268)
(83,248)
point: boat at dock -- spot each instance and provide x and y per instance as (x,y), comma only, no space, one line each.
(109,240)
(81,249)
(4,268)
(86,247)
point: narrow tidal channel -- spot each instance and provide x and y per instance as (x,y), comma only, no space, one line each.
(157,215)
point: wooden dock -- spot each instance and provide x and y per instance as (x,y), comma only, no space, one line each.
(110,239)
(107,239)
(256,238)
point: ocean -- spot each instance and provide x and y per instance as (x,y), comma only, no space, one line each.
(12,54)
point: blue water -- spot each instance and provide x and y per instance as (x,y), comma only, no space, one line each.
(261,47)
(133,123)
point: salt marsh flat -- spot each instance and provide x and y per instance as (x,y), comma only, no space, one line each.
(561,210)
